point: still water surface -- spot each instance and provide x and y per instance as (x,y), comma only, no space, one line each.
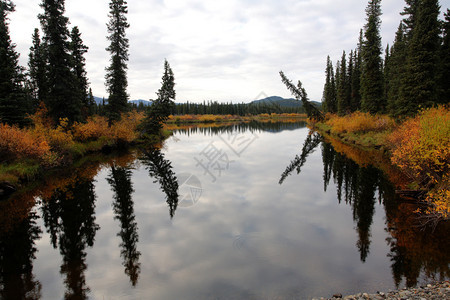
(261,211)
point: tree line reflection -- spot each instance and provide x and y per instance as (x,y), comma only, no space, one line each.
(69,217)
(219,128)
(68,214)
(413,249)
(69,203)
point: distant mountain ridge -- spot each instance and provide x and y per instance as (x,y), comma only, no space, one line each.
(283,102)
(99,100)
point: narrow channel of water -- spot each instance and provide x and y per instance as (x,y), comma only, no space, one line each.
(252,211)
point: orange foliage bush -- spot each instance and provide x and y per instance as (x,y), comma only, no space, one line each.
(93,129)
(17,143)
(359,122)
(125,130)
(59,138)
(421,148)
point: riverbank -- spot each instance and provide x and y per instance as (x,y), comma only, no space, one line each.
(27,153)
(430,291)
(419,147)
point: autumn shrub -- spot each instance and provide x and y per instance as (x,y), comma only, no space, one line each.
(359,122)
(59,139)
(18,143)
(93,129)
(421,148)
(125,130)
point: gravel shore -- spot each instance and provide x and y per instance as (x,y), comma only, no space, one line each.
(430,291)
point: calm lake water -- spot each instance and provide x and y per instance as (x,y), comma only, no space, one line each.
(260,211)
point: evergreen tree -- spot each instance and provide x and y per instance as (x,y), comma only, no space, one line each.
(300,94)
(355,94)
(372,99)
(116,73)
(13,101)
(386,71)
(444,74)
(343,92)
(92,105)
(62,99)
(395,70)
(350,70)
(78,50)
(329,91)
(410,16)
(37,70)
(418,87)
(162,107)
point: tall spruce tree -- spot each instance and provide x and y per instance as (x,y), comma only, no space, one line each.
(355,98)
(116,73)
(409,14)
(395,70)
(37,70)
(350,70)
(337,80)
(13,101)
(78,50)
(419,83)
(386,71)
(162,107)
(62,99)
(372,99)
(444,74)
(329,90)
(343,92)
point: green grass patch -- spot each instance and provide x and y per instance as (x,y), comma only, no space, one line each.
(14,172)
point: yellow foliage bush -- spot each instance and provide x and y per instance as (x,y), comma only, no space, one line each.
(17,143)
(421,148)
(125,130)
(59,139)
(93,129)
(359,122)
(96,127)
(421,145)
(440,198)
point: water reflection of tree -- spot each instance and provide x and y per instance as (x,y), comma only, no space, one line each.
(69,215)
(123,206)
(17,252)
(414,250)
(312,141)
(358,186)
(161,169)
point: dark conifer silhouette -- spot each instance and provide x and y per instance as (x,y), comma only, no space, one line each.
(123,206)
(160,169)
(13,101)
(116,73)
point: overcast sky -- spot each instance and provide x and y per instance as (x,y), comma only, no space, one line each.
(219,50)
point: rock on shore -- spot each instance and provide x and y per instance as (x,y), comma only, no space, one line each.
(431,291)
